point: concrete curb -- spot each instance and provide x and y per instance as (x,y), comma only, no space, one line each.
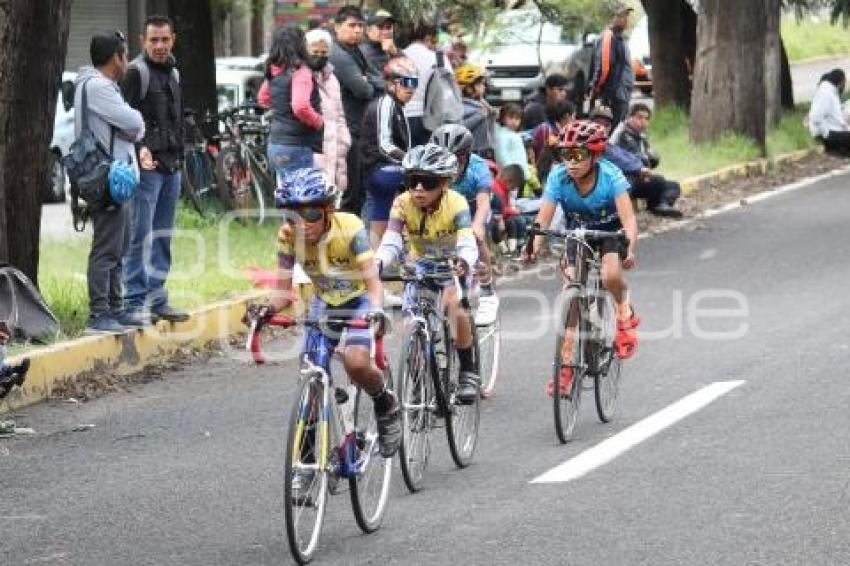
(743,170)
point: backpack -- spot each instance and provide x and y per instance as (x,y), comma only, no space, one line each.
(87,165)
(443,100)
(141,65)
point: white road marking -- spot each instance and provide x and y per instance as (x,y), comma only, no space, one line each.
(612,447)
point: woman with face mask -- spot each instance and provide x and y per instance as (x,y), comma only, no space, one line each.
(826,119)
(293,93)
(337,139)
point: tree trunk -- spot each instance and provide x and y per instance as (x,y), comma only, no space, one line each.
(195,53)
(786,82)
(729,93)
(672,39)
(30,72)
(772,63)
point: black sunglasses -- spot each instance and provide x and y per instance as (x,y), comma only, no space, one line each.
(408,82)
(425,181)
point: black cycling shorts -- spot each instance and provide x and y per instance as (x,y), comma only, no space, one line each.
(606,246)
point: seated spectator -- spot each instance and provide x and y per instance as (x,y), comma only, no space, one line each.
(509,148)
(529,198)
(630,139)
(545,137)
(826,120)
(10,376)
(506,187)
(478,116)
(535,112)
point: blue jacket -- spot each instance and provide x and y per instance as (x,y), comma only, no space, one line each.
(629,163)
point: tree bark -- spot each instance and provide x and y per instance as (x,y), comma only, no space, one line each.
(672,41)
(729,86)
(786,82)
(195,53)
(33,40)
(772,63)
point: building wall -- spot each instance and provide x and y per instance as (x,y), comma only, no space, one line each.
(87,18)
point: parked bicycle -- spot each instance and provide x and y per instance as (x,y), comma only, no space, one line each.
(246,183)
(198,180)
(588,323)
(428,375)
(332,436)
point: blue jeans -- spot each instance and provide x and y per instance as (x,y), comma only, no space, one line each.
(285,159)
(382,186)
(148,260)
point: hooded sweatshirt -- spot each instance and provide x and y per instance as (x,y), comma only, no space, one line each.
(107,110)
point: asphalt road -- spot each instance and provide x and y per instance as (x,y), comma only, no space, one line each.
(188,470)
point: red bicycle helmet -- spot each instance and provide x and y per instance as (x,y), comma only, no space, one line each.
(584,133)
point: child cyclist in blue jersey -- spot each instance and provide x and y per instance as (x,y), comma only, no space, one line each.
(333,248)
(593,195)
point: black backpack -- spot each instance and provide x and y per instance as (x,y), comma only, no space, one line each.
(87,165)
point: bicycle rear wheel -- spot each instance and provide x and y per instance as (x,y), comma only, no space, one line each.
(610,367)
(370,488)
(490,342)
(307,451)
(236,189)
(198,180)
(416,392)
(461,420)
(566,408)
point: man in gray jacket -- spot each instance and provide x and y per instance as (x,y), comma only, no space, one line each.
(117,127)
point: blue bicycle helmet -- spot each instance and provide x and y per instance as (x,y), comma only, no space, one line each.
(304,187)
(122,181)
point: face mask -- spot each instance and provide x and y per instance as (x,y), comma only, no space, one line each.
(317,63)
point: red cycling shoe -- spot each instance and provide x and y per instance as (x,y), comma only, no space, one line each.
(626,341)
(566,383)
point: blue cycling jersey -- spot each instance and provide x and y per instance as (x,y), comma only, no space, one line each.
(476,179)
(595,211)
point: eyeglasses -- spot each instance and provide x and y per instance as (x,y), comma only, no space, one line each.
(574,154)
(408,82)
(308,213)
(426,182)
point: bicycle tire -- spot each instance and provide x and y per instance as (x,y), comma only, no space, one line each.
(198,182)
(370,488)
(308,406)
(490,341)
(416,393)
(462,421)
(607,379)
(235,188)
(566,410)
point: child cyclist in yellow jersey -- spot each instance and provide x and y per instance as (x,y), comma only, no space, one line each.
(438,225)
(333,248)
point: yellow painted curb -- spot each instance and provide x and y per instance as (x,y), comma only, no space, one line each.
(741,170)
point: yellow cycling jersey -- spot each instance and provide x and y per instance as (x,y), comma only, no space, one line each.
(332,264)
(435,233)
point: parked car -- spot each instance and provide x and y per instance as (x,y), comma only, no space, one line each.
(521,50)
(236,86)
(60,144)
(641,62)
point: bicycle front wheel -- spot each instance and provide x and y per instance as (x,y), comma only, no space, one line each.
(416,393)
(370,488)
(489,345)
(306,471)
(566,406)
(461,420)
(610,367)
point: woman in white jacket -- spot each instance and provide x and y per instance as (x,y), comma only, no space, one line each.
(826,120)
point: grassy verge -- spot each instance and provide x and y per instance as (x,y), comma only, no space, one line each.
(681,159)
(814,36)
(207,264)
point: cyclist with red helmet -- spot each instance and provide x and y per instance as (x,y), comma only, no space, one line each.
(593,194)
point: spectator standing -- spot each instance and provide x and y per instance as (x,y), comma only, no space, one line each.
(478,116)
(296,120)
(152,86)
(359,83)
(336,140)
(422,51)
(612,78)
(554,90)
(826,120)
(379,46)
(115,125)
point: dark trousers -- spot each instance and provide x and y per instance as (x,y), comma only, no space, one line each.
(837,142)
(354,194)
(419,134)
(110,240)
(656,190)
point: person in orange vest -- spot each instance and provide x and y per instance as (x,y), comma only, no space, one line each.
(612,78)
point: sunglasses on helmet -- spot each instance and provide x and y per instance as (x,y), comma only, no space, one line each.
(427,182)
(308,213)
(574,154)
(408,82)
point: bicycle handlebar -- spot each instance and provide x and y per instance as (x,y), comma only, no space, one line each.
(577,234)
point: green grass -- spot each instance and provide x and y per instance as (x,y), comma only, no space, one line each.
(681,159)
(207,264)
(814,37)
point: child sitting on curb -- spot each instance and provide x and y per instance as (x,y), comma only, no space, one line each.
(506,186)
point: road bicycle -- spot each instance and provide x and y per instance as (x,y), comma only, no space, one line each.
(428,374)
(245,180)
(588,319)
(332,436)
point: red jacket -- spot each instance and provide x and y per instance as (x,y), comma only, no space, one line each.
(501,191)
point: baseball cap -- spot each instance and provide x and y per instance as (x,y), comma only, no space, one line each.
(618,7)
(380,17)
(602,112)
